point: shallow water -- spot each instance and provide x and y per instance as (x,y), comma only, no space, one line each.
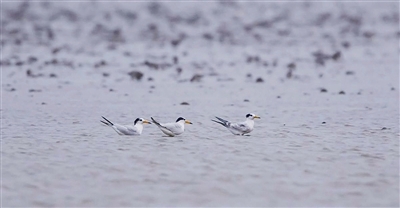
(308,149)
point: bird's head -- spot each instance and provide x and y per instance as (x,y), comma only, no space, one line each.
(180,119)
(252,116)
(141,121)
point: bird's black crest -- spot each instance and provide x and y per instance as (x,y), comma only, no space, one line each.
(248,115)
(180,118)
(137,120)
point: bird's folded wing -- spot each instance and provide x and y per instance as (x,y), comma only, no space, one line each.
(240,127)
(169,126)
(127,130)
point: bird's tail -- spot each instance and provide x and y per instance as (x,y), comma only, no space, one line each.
(108,123)
(221,121)
(218,122)
(158,124)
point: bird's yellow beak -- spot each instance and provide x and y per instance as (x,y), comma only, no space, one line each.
(188,122)
(257,117)
(146,122)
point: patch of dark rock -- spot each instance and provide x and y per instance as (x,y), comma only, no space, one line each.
(322,19)
(345,44)
(110,34)
(43,103)
(184,103)
(359,93)
(100,63)
(52,75)
(278,97)
(179,70)
(336,56)
(246,100)
(249,75)
(258,37)
(323,90)
(208,36)
(156,66)
(283,32)
(265,63)
(5,63)
(35,90)
(275,63)
(135,75)
(259,80)
(156,9)
(349,73)
(19,63)
(29,73)
(196,78)
(66,14)
(56,50)
(342,92)
(392,89)
(129,16)
(289,74)
(368,34)
(175,59)
(150,79)
(251,59)
(53,61)
(291,68)
(199,65)
(262,24)
(152,87)
(18,42)
(105,74)
(384,128)
(11,89)
(111,46)
(32,59)
(352,19)
(320,58)
(151,65)
(323,122)
(177,41)
(111,90)
(45,31)
(127,53)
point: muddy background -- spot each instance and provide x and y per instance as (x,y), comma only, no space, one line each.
(324,77)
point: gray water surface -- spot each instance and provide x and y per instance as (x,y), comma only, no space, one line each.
(310,147)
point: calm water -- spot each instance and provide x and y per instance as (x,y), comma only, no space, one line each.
(308,149)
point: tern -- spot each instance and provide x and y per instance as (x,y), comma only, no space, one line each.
(239,128)
(172,129)
(132,130)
